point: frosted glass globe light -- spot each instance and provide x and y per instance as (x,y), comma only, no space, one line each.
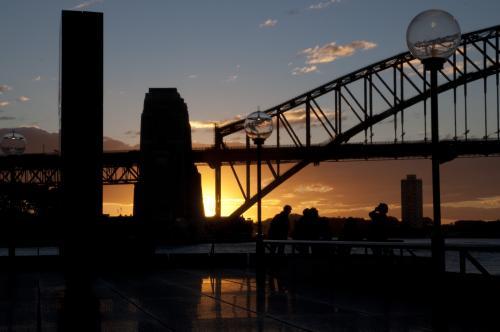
(258,125)
(13,144)
(433,34)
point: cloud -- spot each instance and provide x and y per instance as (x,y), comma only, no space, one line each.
(4,88)
(269,23)
(323,5)
(37,78)
(234,76)
(133,133)
(313,188)
(23,99)
(297,117)
(6,118)
(196,125)
(209,124)
(193,76)
(447,70)
(331,52)
(304,70)
(87,4)
(328,53)
(492,202)
(119,204)
(294,117)
(4,103)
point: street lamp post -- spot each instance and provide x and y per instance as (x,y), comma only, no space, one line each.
(258,127)
(432,37)
(12,144)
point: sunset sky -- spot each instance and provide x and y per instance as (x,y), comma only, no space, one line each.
(226,58)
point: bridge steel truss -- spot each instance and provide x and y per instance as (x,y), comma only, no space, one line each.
(388,88)
(44,169)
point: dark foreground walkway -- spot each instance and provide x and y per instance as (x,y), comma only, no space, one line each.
(225,300)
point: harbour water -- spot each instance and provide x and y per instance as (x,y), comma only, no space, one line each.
(490,260)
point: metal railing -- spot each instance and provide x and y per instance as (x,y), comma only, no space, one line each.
(393,248)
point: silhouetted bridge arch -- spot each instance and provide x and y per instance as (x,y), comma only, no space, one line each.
(350,118)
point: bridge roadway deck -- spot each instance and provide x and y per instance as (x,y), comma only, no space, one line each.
(351,151)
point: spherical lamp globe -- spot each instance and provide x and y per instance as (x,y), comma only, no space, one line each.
(258,126)
(13,144)
(433,34)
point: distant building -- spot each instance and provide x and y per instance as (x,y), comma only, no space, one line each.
(412,201)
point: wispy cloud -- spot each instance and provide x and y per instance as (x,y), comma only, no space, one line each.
(304,70)
(87,4)
(4,88)
(269,23)
(197,125)
(324,4)
(4,103)
(492,202)
(23,99)
(331,51)
(132,133)
(193,76)
(209,124)
(6,118)
(314,188)
(297,117)
(328,53)
(234,77)
(37,78)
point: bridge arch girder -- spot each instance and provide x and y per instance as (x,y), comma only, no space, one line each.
(460,76)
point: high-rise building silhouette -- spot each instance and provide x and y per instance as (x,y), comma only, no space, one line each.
(411,201)
(168,197)
(81,120)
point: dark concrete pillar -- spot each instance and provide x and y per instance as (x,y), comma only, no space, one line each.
(81,119)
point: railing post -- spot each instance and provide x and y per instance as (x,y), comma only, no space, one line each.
(462,261)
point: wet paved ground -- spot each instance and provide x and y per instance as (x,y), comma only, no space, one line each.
(204,300)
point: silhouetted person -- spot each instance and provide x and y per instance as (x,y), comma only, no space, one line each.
(378,226)
(302,230)
(278,230)
(379,222)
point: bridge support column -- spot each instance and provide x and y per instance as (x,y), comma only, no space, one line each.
(218,177)
(218,190)
(170,192)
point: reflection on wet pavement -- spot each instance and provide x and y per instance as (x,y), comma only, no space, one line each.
(201,300)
